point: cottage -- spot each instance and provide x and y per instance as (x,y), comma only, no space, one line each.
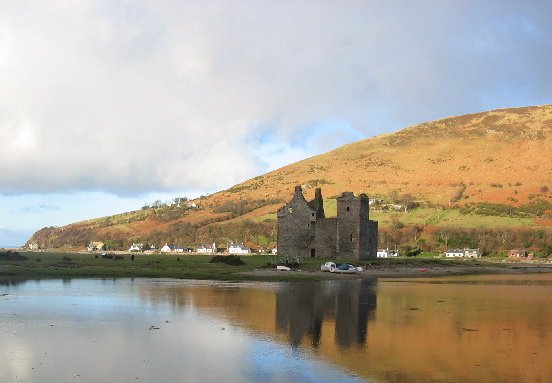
(451,253)
(33,246)
(171,248)
(168,248)
(96,246)
(238,249)
(386,253)
(472,253)
(136,247)
(207,249)
(463,253)
(517,253)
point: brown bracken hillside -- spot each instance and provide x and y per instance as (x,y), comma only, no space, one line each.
(501,156)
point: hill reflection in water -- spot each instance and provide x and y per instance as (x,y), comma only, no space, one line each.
(480,328)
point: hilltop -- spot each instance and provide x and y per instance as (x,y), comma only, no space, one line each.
(485,170)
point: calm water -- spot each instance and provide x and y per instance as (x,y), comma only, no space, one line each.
(461,329)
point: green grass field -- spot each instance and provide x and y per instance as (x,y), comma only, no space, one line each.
(83,265)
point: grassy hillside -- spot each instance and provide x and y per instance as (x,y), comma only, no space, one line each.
(490,170)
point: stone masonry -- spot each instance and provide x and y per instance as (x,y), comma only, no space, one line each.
(304,230)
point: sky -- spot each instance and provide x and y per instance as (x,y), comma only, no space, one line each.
(106,105)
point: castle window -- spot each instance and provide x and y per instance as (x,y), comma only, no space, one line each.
(347,208)
(351,238)
(312,214)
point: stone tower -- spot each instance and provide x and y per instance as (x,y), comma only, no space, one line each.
(356,233)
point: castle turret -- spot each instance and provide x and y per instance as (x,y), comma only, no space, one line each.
(318,203)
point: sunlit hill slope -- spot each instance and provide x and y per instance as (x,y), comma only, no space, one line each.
(489,169)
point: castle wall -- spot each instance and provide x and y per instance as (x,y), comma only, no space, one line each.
(372,239)
(325,238)
(364,228)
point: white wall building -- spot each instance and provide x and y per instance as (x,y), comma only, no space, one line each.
(238,249)
(136,247)
(207,249)
(463,253)
(386,253)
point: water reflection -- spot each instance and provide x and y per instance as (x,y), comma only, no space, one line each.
(301,310)
(462,329)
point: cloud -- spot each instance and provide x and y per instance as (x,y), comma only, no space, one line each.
(132,97)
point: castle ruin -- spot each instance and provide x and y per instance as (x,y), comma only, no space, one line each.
(304,230)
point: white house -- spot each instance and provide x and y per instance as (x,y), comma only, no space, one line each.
(136,247)
(451,253)
(386,253)
(238,249)
(472,253)
(207,249)
(170,248)
(33,246)
(274,251)
(466,253)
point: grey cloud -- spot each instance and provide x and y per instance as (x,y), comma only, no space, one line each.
(140,96)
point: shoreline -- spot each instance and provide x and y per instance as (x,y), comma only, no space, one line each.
(49,265)
(414,272)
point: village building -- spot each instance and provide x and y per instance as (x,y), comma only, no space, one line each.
(517,253)
(172,248)
(238,249)
(304,230)
(472,253)
(451,253)
(210,248)
(387,253)
(463,253)
(96,246)
(33,246)
(136,247)
(520,254)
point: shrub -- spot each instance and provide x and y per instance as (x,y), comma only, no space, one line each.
(12,256)
(232,260)
(66,258)
(112,256)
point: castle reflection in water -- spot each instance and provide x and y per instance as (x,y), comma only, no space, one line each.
(302,309)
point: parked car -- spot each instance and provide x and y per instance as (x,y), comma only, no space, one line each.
(346,269)
(327,266)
